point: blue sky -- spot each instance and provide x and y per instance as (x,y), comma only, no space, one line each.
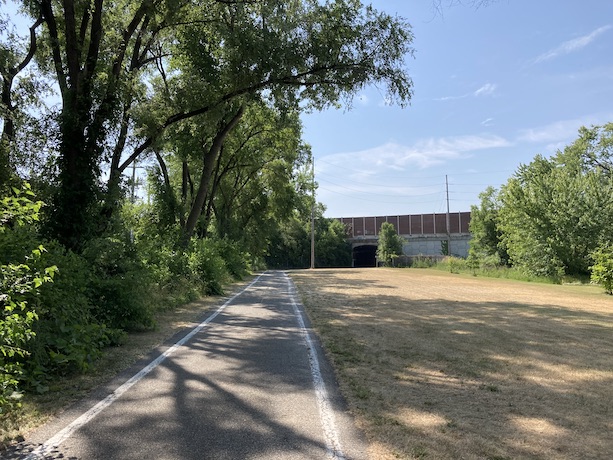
(494,86)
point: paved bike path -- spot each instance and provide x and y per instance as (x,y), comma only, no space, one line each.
(250,383)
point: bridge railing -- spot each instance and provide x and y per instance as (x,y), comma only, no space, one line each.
(409,224)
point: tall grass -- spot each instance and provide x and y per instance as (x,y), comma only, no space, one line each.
(490,270)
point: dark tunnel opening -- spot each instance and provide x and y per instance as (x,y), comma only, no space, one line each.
(365,256)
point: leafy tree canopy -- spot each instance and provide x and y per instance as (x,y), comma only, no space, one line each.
(555,212)
(128,72)
(390,244)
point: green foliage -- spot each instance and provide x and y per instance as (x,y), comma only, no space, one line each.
(596,144)
(177,274)
(290,245)
(18,209)
(16,321)
(602,270)
(554,211)
(486,263)
(235,259)
(118,288)
(490,268)
(156,242)
(19,285)
(68,335)
(164,211)
(390,244)
(207,266)
(255,185)
(454,264)
(63,335)
(331,246)
(423,262)
(486,245)
(445,247)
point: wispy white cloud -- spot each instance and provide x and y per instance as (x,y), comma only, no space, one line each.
(549,133)
(573,45)
(487,122)
(451,98)
(423,154)
(560,133)
(486,90)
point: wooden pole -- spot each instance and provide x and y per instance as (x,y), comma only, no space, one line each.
(448,229)
(313,212)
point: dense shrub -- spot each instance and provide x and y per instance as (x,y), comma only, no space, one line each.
(118,289)
(58,331)
(602,270)
(423,262)
(454,264)
(19,285)
(236,260)
(207,266)
(68,335)
(112,286)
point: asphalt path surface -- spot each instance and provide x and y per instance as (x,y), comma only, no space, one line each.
(250,382)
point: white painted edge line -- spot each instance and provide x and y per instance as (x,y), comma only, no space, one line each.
(326,414)
(55,441)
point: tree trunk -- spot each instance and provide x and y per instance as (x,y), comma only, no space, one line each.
(73,220)
(210,160)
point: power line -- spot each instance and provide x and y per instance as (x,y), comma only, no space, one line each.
(375,184)
(404,198)
(381,194)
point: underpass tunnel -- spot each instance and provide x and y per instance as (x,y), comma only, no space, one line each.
(365,255)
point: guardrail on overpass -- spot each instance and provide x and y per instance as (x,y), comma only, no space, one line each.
(408,225)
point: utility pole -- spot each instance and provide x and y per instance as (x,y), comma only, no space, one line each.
(312,211)
(448,230)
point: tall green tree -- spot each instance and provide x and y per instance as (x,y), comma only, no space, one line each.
(556,211)
(389,247)
(261,52)
(486,241)
(595,147)
(95,50)
(257,181)
(331,246)
(176,61)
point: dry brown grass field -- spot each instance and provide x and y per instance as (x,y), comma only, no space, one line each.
(443,366)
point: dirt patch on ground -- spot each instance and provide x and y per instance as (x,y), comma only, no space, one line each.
(445,366)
